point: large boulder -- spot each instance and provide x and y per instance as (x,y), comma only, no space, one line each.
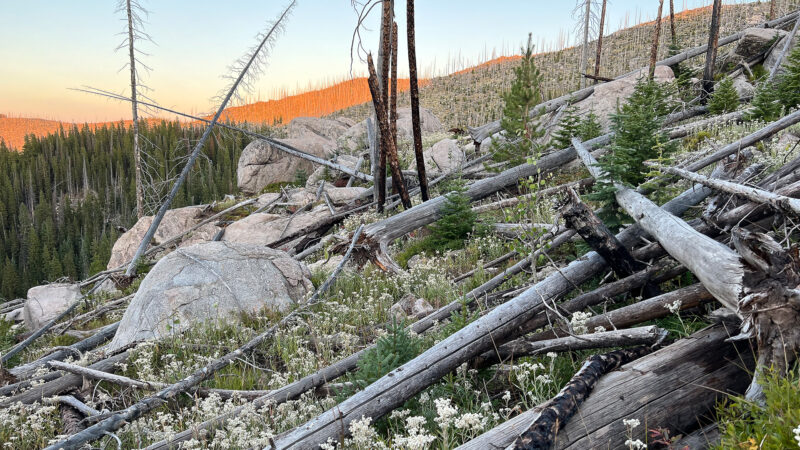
(355,139)
(261,164)
(607,96)
(267,229)
(329,129)
(772,58)
(755,41)
(444,156)
(211,283)
(175,222)
(326,173)
(46,302)
(743,87)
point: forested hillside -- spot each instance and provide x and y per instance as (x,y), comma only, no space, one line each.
(67,196)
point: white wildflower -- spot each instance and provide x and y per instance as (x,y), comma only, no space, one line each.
(631,423)
(635,444)
(470,422)
(796,432)
(578,322)
(445,412)
(674,307)
(599,329)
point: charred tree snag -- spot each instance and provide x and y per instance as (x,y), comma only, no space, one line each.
(556,413)
(600,43)
(382,90)
(672,22)
(668,388)
(759,283)
(414,91)
(397,174)
(594,232)
(711,52)
(383,130)
(656,39)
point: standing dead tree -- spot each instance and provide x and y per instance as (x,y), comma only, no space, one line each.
(398,181)
(586,20)
(601,30)
(133,11)
(414,90)
(673,34)
(254,59)
(711,52)
(656,39)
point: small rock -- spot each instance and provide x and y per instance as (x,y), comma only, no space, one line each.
(46,302)
(17,315)
(755,40)
(411,307)
(323,172)
(444,156)
(743,87)
(327,265)
(107,287)
(414,261)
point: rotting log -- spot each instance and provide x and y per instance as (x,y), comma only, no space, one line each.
(498,325)
(554,414)
(759,282)
(669,388)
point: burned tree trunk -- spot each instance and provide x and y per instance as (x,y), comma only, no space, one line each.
(600,43)
(382,77)
(594,232)
(414,91)
(397,174)
(711,52)
(672,22)
(557,412)
(656,38)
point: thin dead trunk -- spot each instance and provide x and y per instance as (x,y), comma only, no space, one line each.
(585,47)
(137,157)
(672,22)
(600,42)
(414,91)
(656,39)
(397,174)
(711,52)
(771,9)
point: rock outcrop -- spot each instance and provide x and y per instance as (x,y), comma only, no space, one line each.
(355,138)
(772,58)
(411,307)
(212,282)
(267,229)
(261,164)
(46,302)
(444,156)
(175,221)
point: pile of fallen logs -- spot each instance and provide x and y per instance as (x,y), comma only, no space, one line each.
(752,278)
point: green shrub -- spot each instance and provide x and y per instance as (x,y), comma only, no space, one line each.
(572,125)
(766,104)
(725,98)
(392,350)
(789,83)
(746,424)
(590,127)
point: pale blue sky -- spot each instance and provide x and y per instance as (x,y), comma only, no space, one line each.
(51,45)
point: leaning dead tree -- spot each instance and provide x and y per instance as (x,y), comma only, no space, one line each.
(254,59)
(758,283)
(711,52)
(601,30)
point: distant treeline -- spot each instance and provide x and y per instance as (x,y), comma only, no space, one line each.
(66,197)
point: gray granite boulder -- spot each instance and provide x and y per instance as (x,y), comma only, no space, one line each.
(46,302)
(262,164)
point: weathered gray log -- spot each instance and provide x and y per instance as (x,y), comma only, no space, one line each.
(554,414)
(777,201)
(759,285)
(669,388)
(61,384)
(104,334)
(701,439)
(498,325)
(607,339)
(585,182)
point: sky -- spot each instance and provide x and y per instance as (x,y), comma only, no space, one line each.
(50,46)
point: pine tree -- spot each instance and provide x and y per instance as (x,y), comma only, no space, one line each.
(766,104)
(725,98)
(590,127)
(637,138)
(457,220)
(789,83)
(568,128)
(524,95)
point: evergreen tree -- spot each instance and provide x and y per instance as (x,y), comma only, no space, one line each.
(766,104)
(590,127)
(637,138)
(457,220)
(525,93)
(725,98)
(568,128)
(789,83)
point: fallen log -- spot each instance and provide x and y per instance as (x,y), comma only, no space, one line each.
(758,283)
(585,182)
(557,412)
(406,381)
(669,388)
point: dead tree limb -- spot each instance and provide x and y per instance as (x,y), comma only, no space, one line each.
(557,412)
(777,201)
